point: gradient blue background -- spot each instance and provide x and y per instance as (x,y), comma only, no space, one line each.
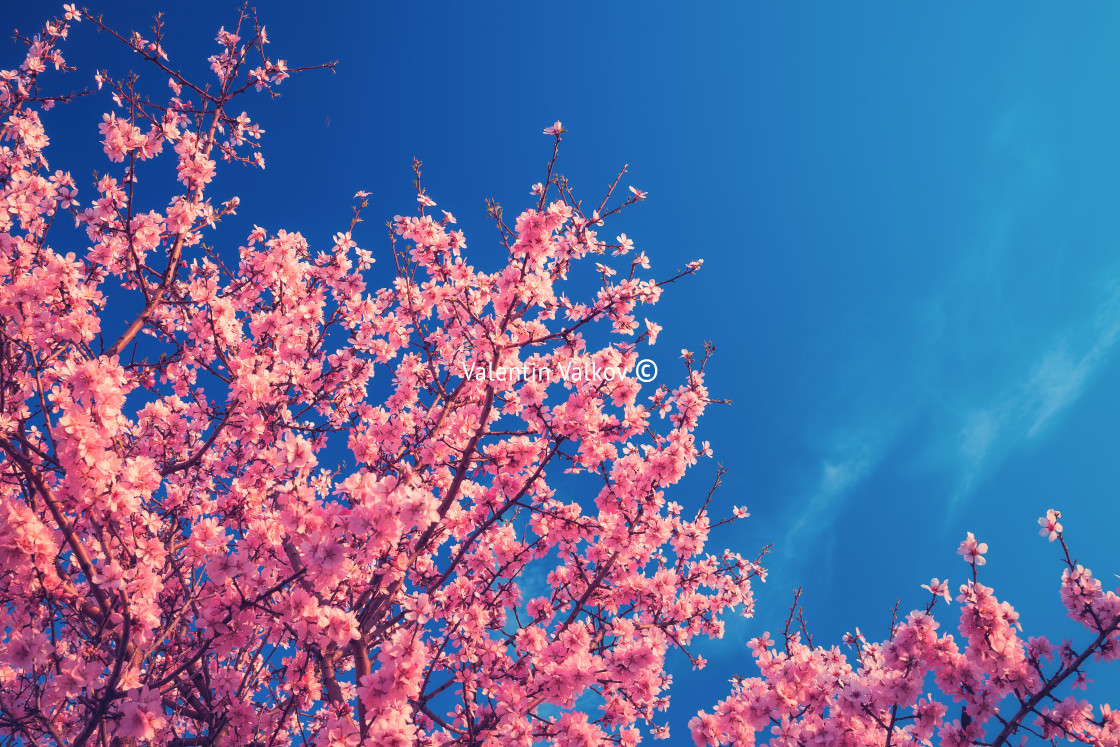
(908,216)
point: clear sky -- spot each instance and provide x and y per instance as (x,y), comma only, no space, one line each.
(907,212)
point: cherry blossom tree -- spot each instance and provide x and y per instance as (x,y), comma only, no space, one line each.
(212,532)
(212,536)
(998,685)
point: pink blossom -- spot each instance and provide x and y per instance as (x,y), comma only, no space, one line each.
(972,551)
(938,588)
(1050,526)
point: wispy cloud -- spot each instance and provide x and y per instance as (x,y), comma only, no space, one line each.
(1000,344)
(850,458)
(1026,408)
(1061,377)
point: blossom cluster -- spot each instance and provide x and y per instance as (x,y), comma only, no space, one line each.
(1001,685)
(212,533)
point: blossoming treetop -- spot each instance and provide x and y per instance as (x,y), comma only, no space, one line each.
(182,567)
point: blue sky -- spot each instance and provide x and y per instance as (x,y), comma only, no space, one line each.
(908,220)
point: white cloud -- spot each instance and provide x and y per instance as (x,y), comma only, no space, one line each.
(1028,407)
(978,434)
(851,458)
